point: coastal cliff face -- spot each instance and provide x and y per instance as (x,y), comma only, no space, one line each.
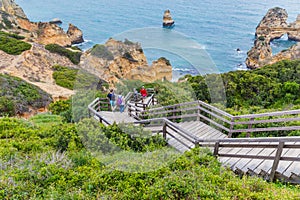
(111,62)
(13,19)
(11,8)
(273,26)
(117,60)
(35,66)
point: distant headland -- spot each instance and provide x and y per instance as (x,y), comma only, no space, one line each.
(273,26)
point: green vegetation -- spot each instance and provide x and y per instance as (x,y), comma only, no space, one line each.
(101,51)
(261,38)
(271,87)
(74,57)
(165,60)
(11,44)
(74,78)
(16,96)
(45,158)
(64,76)
(128,42)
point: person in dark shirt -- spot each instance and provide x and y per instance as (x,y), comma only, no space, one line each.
(112,99)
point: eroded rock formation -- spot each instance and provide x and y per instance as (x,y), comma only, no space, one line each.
(273,26)
(13,19)
(11,8)
(117,60)
(75,34)
(167,19)
(35,67)
(111,62)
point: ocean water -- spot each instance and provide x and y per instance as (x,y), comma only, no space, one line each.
(205,38)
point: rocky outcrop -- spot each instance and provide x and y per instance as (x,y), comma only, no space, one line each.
(75,34)
(273,26)
(159,70)
(55,21)
(13,19)
(117,60)
(167,19)
(11,8)
(35,67)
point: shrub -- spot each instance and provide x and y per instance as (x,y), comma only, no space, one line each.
(101,51)
(7,107)
(74,57)
(18,96)
(261,38)
(13,46)
(64,76)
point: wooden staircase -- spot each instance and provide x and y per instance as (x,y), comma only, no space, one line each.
(191,124)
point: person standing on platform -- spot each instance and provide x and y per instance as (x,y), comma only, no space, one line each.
(112,99)
(144,93)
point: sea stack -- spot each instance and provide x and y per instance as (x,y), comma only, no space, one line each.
(168,22)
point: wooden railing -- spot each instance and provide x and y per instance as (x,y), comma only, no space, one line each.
(278,144)
(167,125)
(95,107)
(227,123)
(135,108)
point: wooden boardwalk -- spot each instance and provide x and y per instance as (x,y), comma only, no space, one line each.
(270,158)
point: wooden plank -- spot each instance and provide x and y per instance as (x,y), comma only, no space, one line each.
(239,161)
(294,166)
(283,165)
(265,164)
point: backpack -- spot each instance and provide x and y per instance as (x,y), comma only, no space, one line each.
(113,97)
(119,101)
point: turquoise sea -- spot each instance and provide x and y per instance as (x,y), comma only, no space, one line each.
(205,38)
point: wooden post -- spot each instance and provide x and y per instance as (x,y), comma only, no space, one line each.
(276,160)
(198,113)
(216,150)
(129,110)
(231,128)
(99,106)
(196,143)
(152,100)
(165,130)
(250,127)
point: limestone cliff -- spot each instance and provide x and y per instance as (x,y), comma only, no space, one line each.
(11,8)
(111,62)
(159,70)
(13,19)
(117,60)
(273,26)
(35,66)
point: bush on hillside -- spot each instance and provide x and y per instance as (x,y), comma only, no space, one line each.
(74,57)
(101,51)
(10,44)
(17,96)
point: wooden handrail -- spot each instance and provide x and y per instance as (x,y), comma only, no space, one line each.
(168,124)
